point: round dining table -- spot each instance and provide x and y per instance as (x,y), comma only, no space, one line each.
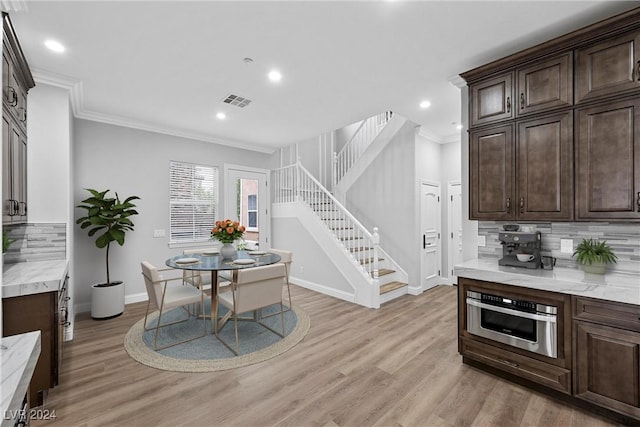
(214,263)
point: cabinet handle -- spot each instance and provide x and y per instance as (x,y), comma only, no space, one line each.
(508,204)
(521,204)
(23,212)
(638,201)
(522,101)
(508,104)
(638,71)
(12,97)
(22,114)
(506,362)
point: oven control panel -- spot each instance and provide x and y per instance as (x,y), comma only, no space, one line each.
(519,305)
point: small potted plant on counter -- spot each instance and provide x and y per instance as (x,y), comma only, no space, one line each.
(109,218)
(594,256)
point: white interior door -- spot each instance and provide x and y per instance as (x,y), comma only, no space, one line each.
(430,230)
(455,227)
(246,199)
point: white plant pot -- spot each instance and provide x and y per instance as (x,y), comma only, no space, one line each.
(107,301)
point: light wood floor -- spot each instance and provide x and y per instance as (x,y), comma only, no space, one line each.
(396,366)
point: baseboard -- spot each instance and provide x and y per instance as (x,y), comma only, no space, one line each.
(414,290)
(346,296)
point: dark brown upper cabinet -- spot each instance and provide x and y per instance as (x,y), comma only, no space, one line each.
(526,176)
(492,100)
(608,161)
(609,67)
(545,85)
(544,168)
(491,173)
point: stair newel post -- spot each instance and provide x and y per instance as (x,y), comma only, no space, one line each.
(375,240)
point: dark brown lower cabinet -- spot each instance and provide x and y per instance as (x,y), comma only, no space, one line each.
(37,312)
(607,354)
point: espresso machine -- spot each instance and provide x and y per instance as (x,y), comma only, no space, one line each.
(525,244)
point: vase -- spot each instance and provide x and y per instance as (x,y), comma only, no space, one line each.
(595,268)
(227,251)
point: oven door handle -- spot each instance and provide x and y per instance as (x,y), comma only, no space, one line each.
(524,314)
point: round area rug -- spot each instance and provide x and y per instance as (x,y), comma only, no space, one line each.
(207,353)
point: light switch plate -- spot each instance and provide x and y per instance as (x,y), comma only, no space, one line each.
(566,246)
(159,233)
(482,241)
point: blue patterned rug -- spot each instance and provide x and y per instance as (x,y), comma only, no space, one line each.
(207,353)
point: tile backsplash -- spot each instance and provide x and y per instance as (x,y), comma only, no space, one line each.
(624,239)
(36,242)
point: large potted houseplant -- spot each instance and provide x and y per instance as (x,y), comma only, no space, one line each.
(109,219)
(594,256)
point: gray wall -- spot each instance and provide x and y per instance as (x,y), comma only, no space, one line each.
(384,196)
(136,162)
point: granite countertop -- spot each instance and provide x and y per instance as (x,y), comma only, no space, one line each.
(33,277)
(18,357)
(611,286)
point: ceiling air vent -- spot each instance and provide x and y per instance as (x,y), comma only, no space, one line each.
(237,100)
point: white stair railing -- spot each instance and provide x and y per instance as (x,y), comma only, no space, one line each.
(295,183)
(364,135)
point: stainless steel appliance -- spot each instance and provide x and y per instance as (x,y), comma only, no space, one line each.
(520,242)
(519,323)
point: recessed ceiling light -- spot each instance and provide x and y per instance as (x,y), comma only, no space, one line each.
(221,116)
(425,104)
(275,76)
(54,46)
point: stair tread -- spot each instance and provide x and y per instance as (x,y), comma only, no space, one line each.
(384,272)
(369,260)
(360,249)
(391,286)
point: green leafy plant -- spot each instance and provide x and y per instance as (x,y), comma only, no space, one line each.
(6,241)
(109,218)
(591,251)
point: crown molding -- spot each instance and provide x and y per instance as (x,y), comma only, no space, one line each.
(75,88)
(454,137)
(457,81)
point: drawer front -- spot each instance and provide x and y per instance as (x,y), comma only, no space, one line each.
(626,316)
(533,370)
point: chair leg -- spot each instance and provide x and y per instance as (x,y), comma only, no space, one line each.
(282,317)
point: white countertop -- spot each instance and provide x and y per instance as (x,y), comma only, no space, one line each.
(18,357)
(610,286)
(33,277)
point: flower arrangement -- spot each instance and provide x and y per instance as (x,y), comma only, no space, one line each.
(227,231)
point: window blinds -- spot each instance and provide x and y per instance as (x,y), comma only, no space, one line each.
(193,201)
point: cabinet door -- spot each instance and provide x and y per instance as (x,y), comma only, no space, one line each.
(546,84)
(608,161)
(545,168)
(32,313)
(491,174)
(609,67)
(8,207)
(491,100)
(20,176)
(607,368)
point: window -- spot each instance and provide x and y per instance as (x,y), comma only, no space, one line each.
(252,211)
(193,202)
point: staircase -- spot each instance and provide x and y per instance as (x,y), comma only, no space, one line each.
(376,278)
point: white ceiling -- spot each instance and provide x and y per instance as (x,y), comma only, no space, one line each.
(167,65)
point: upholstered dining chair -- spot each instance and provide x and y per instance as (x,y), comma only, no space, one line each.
(251,290)
(286,257)
(163,297)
